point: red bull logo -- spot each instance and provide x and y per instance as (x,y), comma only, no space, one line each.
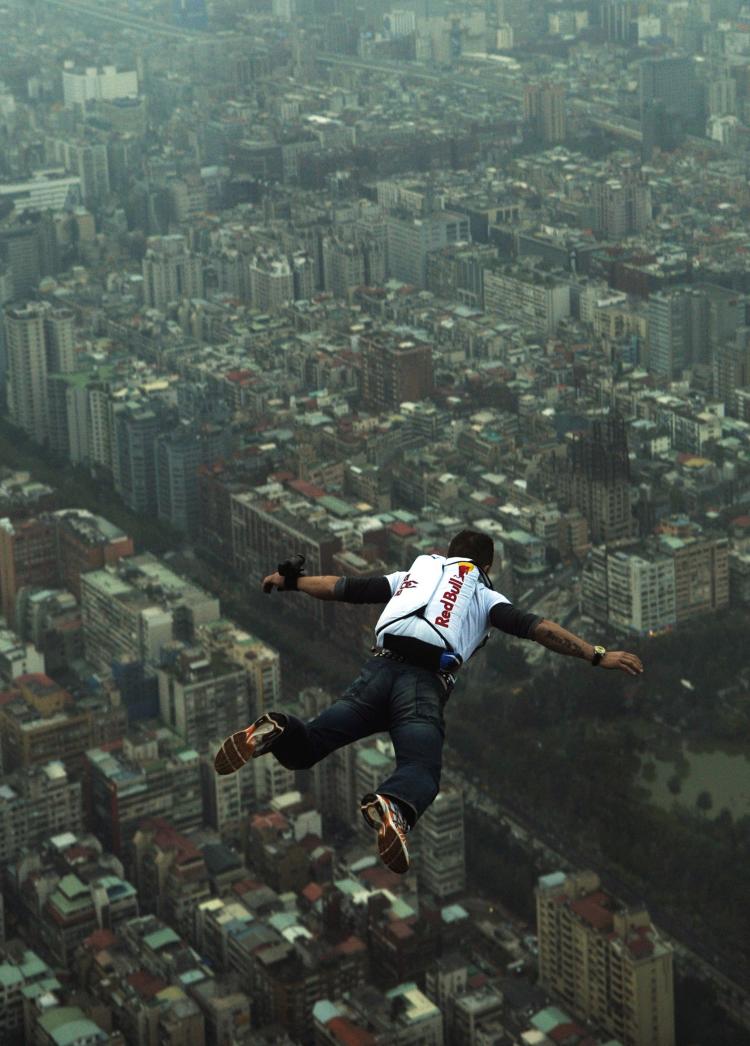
(449,597)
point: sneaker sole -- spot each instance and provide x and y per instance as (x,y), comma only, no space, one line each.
(393,851)
(239,748)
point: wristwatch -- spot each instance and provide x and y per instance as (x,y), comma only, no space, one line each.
(599,652)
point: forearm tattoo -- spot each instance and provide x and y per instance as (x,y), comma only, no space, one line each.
(561,644)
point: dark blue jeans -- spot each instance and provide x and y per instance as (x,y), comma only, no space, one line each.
(388,696)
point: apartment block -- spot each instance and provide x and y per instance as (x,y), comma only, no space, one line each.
(203,695)
(442,863)
(530,298)
(35,804)
(605,960)
(138,608)
(41,723)
(148,773)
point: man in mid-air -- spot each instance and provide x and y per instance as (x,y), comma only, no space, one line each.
(436,616)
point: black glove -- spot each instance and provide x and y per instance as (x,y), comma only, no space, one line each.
(291,570)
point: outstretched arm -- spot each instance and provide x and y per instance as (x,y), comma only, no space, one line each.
(344,589)
(555,637)
(318,586)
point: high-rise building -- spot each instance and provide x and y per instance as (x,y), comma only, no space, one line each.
(55,549)
(263,531)
(343,266)
(203,695)
(144,774)
(171,873)
(596,479)
(605,960)
(722,96)
(135,431)
(442,865)
(617,19)
(40,723)
(671,329)
(138,608)
(90,161)
(731,368)
(81,85)
(400,23)
(179,454)
(28,558)
(260,662)
(671,102)
(86,542)
(35,804)
(701,575)
(271,280)
(26,356)
(641,592)
(395,371)
(170,272)
(622,205)
(529,297)
(410,239)
(59,332)
(45,190)
(544,108)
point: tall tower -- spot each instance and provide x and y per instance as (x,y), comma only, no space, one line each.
(442,866)
(27,369)
(597,479)
(395,372)
(605,960)
(170,272)
(59,332)
(544,108)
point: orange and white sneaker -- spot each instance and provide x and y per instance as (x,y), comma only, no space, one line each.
(383,813)
(248,744)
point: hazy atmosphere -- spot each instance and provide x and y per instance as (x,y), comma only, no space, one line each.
(374,522)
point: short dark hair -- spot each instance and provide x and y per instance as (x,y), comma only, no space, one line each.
(474,545)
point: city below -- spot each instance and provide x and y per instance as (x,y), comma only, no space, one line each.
(342,280)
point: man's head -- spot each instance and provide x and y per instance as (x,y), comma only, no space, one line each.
(475,546)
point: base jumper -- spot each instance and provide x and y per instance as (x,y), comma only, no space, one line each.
(436,616)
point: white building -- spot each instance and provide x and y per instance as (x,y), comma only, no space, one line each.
(93,84)
(400,23)
(641,593)
(411,239)
(36,804)
(442,866)
(137,609)
(271,282)
(47,190)
(170,272)
(533,300)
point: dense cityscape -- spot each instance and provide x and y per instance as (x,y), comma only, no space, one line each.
(340,279)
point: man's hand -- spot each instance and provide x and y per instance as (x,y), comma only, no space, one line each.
(621,659)
(319,587)
(273,581)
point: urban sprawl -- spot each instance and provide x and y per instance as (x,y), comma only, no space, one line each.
(340,279)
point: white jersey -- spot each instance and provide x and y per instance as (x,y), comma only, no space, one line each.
(454,601)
